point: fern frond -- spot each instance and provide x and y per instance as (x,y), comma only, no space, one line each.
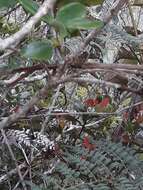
(28,139)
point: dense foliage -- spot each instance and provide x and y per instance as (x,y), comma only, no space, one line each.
(71,87)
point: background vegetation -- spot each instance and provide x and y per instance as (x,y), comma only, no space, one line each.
(71,109)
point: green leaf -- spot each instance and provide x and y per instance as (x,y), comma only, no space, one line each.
(38,50)
(61,3)
(70,12)
(7,3)
(83,23)
(73,16)
(60,28)
(32,7)
(29,5)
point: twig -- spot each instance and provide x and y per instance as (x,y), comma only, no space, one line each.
(15,116)
(11,10)
(11,173)
(119,4)
(14,159)
(91,64)
(128,107)
(51,108)
(96,81)
(26,172)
